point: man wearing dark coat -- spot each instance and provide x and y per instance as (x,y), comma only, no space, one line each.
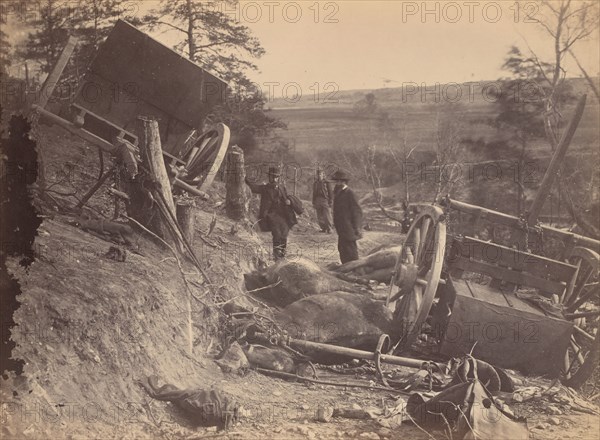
(274,214)
(347,217)
(322,199)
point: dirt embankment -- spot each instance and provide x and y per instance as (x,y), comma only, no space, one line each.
(89,327)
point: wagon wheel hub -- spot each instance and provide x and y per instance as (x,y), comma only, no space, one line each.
(406,278)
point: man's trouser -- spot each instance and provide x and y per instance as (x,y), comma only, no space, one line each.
(279,231)
(348,250)
(323,214)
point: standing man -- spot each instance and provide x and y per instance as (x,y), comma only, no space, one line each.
(347,217)
(322,199)
(275,214)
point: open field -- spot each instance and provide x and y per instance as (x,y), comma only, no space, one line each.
(315,125)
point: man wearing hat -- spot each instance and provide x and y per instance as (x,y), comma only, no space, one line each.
(347,217)
(274,213)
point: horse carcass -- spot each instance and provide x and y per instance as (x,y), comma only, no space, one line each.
(290,280)
(377,266)
(340,318)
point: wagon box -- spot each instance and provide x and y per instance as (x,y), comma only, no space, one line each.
(502,329)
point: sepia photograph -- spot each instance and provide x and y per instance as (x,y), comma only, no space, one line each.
(311,219)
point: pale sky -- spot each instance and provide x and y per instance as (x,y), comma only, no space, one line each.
(373,41)
(358,44)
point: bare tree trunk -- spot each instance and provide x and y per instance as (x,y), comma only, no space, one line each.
(186,217)
(143,206)
(190,32)
(236,205)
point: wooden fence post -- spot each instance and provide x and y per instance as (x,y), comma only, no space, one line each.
(236,205)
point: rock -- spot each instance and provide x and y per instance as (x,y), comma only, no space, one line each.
(277,393)
(302,430)
(553,410)
(385,432)
(541,426)
(369,435)
(324,413)
(554,420)
(356,406)
(233,359)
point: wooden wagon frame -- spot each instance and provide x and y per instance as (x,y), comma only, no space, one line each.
(494,296)
(134,75)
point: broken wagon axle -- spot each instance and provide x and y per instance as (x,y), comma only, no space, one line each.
(349,352)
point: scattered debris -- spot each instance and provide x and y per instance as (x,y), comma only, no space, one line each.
(116,253)
(203,407)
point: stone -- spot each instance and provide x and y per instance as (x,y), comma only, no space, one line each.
(324,413)
(369,435)
(554,420)
(233,359)
(553,410)
(385,433)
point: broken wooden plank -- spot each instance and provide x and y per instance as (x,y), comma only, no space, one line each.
(59,67)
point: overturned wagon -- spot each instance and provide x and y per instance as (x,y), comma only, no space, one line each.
(498,296)
(134,75)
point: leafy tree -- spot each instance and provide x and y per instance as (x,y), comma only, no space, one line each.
(211,37)
(4,48)
(88,20)
(247,118)
(521,104)
(568,22)
(367,106)
(50,31)
(92,23)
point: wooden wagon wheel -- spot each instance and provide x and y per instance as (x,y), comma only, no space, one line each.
(417,273)
(583,308)
(206,156)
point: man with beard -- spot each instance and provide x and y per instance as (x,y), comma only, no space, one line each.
(322,199)
(274,213)
(347,217)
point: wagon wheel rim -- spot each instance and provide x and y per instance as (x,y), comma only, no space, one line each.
(425,247)
(582,307)
(212,146)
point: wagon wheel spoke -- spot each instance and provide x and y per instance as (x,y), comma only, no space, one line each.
(583,333)
(415,245)
(577,351)
(422,245)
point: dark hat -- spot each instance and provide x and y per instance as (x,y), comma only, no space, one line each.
(340,175)
(274,171)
